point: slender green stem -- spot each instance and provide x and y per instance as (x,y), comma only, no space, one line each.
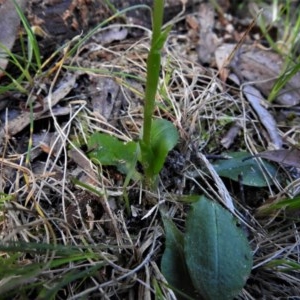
(153,64)
(153,68)
(158,13)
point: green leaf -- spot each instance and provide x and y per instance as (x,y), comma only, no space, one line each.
(283,265)
(159,43)
(110,151)
(68,277)
(288,204)
(164,137)
(173,264)
(250,169)
(217,252)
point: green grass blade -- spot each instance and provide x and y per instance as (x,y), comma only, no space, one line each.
(33,47)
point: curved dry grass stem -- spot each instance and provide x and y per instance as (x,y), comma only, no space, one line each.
(30,178)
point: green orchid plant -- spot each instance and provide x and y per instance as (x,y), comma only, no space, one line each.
(158,136)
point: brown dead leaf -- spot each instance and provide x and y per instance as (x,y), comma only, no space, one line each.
(231,134)
(81,160)
(255,99)
(13,126)
(208,40)
(110,35)
(288,157)
(192,22)
(262,67)
(105,92)
(9,24)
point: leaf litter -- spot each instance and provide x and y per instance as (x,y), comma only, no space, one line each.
(69,200)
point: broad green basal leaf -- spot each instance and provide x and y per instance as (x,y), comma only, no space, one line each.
(164,137)
(217,252)
(173,265)
(249,169)
(108,150)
